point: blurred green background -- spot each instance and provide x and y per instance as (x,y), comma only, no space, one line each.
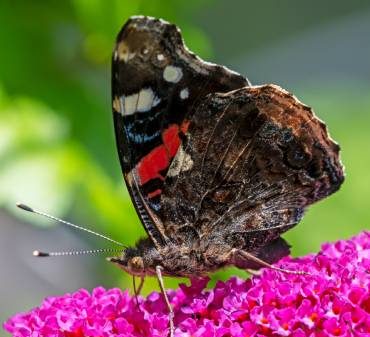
(57,147)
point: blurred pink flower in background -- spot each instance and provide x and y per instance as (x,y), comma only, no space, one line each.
(333,301)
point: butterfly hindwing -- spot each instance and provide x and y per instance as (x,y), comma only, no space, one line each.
(252,160)
(157,83)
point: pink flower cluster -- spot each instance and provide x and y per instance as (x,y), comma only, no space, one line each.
(333,301)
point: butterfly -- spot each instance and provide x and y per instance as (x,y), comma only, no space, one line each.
(217,169)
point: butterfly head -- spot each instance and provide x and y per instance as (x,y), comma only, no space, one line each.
(140,260)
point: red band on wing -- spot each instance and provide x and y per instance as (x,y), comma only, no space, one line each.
(154,193)
(160,157)
(149,167)
(171,140)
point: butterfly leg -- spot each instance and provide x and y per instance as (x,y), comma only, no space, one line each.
(248,256)
(137,291)
(142,279)
(158,270)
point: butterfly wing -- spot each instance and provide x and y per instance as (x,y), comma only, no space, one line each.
(251,162)
(156,84)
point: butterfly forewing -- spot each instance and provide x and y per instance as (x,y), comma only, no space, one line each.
(157,84)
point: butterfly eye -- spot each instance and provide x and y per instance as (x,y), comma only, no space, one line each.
(136,263)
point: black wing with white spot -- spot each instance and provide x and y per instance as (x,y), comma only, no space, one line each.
(156,85)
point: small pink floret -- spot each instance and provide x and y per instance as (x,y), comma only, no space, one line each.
(333,301)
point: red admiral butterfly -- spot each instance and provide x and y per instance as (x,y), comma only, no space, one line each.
(217,169)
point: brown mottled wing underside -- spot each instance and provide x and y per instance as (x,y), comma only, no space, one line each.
(252,161)
(156,84)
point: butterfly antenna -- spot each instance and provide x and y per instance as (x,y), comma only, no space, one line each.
(38,253)
(32,210)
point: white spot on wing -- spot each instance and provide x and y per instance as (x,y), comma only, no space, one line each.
(142,101)
(184,93)
(160,57)
(122,105)
(181,162)
(130,104)
(145,101)
(172,74)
